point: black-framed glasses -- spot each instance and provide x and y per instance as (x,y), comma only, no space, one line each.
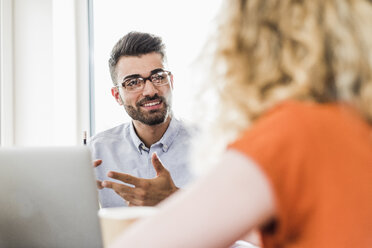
(158,78)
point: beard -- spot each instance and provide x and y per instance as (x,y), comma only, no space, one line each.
(152,117)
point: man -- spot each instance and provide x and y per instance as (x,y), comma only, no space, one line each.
(131,153)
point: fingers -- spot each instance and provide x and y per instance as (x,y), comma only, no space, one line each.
(125,178)
(99,184)
(135,203)
(135,200)
(97,162)
(129,194)
(158,166)
(117,187)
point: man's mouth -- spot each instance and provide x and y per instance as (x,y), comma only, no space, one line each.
(151,105)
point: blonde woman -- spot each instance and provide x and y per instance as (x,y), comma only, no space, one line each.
(298,75)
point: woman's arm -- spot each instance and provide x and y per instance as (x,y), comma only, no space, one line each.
(216,211)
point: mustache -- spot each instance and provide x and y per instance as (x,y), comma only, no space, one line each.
(147,98)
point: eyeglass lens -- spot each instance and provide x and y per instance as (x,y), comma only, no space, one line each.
(158,79)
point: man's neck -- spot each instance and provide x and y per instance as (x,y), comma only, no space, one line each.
(151,134)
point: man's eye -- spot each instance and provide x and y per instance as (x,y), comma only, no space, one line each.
(131,82)
(158,76)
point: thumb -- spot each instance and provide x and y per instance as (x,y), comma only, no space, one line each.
(158,166)
(97,162)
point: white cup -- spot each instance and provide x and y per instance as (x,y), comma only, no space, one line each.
(115,220)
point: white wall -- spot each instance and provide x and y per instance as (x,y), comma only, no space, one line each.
(33,72)
(48,90)
(6,72)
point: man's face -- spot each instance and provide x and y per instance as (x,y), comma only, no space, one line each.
(152,105)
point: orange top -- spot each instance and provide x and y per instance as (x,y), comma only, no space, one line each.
(318,160)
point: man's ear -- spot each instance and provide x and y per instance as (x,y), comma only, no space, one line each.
(171,81)
(116,94)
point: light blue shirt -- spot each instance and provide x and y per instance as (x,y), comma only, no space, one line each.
(121,150)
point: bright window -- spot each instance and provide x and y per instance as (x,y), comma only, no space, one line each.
(184,27)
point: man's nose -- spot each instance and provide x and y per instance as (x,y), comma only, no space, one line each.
(149,89)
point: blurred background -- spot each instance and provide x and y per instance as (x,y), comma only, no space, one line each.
(55,81)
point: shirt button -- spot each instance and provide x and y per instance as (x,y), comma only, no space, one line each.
(165,148)
(143,147)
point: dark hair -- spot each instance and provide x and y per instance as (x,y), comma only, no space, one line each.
(135,44)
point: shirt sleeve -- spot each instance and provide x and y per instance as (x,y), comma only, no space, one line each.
(274,143)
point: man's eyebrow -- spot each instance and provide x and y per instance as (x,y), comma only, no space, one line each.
(156,70)
(138,75)
(131,76)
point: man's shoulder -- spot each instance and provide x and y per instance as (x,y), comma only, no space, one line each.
(112,133)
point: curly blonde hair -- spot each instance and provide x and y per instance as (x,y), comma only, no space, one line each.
(267,51)
(272,50)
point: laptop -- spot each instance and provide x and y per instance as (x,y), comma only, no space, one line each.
(48,198)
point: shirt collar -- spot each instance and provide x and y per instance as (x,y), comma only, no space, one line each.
(170,134)
(166,141)
(137,142)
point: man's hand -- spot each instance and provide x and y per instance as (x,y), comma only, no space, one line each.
(95,164)
(146,192)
